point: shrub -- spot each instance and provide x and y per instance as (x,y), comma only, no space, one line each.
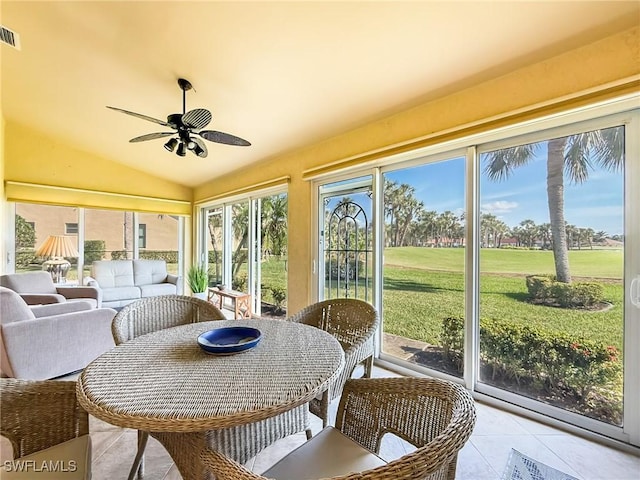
(557,362)
(341,270)
(539,285)
(93,251)
(279,296)
(119,255)
(240,283)
(25,233)
(545,289)
(452,340)
(26,257)
(169,256)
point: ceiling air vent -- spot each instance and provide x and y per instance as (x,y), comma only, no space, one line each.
(9,37)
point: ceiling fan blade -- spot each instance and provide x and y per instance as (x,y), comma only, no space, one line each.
(151,136)
(139,115)
(203,152)
(221,137)
(198,118)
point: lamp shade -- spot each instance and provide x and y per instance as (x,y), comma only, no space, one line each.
(57,246)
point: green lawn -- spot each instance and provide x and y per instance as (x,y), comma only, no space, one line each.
(603,263)
(424,285)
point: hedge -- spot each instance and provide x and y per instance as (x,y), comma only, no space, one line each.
(556,361)
(545,289)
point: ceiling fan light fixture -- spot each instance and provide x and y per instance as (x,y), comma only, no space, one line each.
(182,151)
(197,150)
(171,144)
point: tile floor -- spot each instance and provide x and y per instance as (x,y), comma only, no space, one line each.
(484,457)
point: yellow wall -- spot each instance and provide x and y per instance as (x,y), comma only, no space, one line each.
(33,158)
(551,83)
(3,206)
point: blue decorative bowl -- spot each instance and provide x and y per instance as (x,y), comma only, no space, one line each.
(229,340)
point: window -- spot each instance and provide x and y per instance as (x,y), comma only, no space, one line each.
(142,236)
(33,225)
(106,235)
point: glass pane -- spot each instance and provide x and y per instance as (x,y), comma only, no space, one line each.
(347,238)
(273,255)
(158,239)
(108,236)
(214,245)
(423,290)
(34,224)
(551,270)
(239,246)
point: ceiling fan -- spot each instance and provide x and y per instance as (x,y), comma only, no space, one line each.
(187,126)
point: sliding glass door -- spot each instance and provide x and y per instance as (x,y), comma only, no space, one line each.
(510,264)
(552,273)
(424,264)
(245,243)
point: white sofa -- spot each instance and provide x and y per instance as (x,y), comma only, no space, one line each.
(124,281)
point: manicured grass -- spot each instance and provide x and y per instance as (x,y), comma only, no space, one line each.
(417,299)
(603,263)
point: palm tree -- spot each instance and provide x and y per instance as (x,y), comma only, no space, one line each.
(529,231)
(274,224)
(214,224)
(600,236)
(544,231)
(240,227)
(573,155)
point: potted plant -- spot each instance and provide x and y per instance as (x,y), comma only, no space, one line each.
(198,281)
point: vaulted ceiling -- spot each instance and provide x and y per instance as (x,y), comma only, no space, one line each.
(282,75)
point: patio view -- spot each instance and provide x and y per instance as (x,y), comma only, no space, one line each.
(550,284)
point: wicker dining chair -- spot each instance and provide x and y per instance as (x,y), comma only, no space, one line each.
(44,414)
(353,323)
(150,315)
(436,416)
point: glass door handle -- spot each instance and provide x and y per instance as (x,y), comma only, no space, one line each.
(635,291)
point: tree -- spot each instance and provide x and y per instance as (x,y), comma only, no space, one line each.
(214,223)
(574,156)
(25,233)
(544,232)
(600,236)
(528,232)
(240,227)
(399,207)
(274,224)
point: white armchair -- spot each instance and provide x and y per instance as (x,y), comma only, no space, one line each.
(48,341)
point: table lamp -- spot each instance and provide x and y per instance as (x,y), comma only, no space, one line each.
(57,247)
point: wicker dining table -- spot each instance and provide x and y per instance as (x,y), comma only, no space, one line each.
(165,384)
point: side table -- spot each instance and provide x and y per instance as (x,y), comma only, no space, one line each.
(240,301)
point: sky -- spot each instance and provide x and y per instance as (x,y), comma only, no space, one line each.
(596,203)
